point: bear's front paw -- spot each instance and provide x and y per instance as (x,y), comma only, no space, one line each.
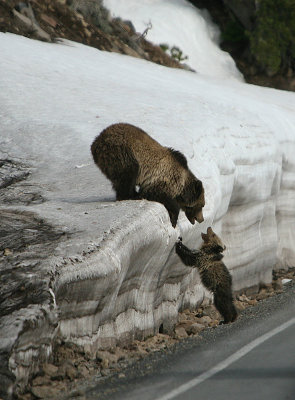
(178,244)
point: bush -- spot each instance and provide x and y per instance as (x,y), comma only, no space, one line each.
(272,42)
(175,52)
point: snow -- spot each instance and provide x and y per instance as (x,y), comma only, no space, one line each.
(117,273)
(179,23)
(285,281)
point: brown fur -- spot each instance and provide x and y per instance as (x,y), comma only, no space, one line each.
(214,274)
(129,157)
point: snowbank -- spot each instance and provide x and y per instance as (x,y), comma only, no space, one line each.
(114,273)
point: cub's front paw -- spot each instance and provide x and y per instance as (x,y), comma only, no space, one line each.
(178,244)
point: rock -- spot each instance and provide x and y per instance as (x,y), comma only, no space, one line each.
(214,322)
(106,358)
(154,341)
(89,355)
(268,287)
(67,369)
(252,302)
(243,297)
(26,10)
(262,295)
(50,370)
(181,332)
(83,371)
(40,381)
(7,252)
(142,351)
(105,372)
(105,363)
(45,392)
(211,312)
(49,20)
(76,393)
(87,32)
(195,328)
(186,325)
(125,49)
(182,318)
(205,320)
(240,306)
(30,26)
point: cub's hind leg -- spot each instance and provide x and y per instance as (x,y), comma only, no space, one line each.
(224,303)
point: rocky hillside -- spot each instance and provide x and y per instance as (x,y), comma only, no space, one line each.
(259,35)
(86,22)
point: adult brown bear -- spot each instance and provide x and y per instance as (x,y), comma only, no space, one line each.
(132,160)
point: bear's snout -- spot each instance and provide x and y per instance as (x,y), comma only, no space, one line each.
(199,217)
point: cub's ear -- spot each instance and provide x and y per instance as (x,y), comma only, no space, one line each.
(205,237)
(209,230)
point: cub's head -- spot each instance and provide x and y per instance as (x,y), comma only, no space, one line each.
(210,238)
(192,200)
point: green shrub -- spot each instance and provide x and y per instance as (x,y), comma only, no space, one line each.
(272,42)
(233,32)
(175,52)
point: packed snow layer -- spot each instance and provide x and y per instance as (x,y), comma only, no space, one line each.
(116,275)
(178,23)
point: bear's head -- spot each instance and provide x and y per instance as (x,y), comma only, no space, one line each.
(192,200)
(210,238)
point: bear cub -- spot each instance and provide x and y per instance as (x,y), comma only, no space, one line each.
(214,274)
(140,168)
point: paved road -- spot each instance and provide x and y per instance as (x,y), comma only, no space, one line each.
(254,358)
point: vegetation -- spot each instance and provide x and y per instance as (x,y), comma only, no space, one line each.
(272,42)
(258,33)
(174,51)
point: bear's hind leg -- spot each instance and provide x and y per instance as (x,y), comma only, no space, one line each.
(124,184)
(223,301)
(123,191)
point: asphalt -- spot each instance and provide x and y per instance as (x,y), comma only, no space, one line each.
(223,356)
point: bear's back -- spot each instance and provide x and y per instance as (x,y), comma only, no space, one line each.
(130,135)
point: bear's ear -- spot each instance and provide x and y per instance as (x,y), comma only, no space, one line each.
(198,188)
(205,237)
(209,231)
(179,157)
(192,191)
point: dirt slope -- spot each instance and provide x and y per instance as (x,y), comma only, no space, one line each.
(49,20)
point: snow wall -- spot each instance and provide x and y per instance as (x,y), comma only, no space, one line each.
(115,275)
